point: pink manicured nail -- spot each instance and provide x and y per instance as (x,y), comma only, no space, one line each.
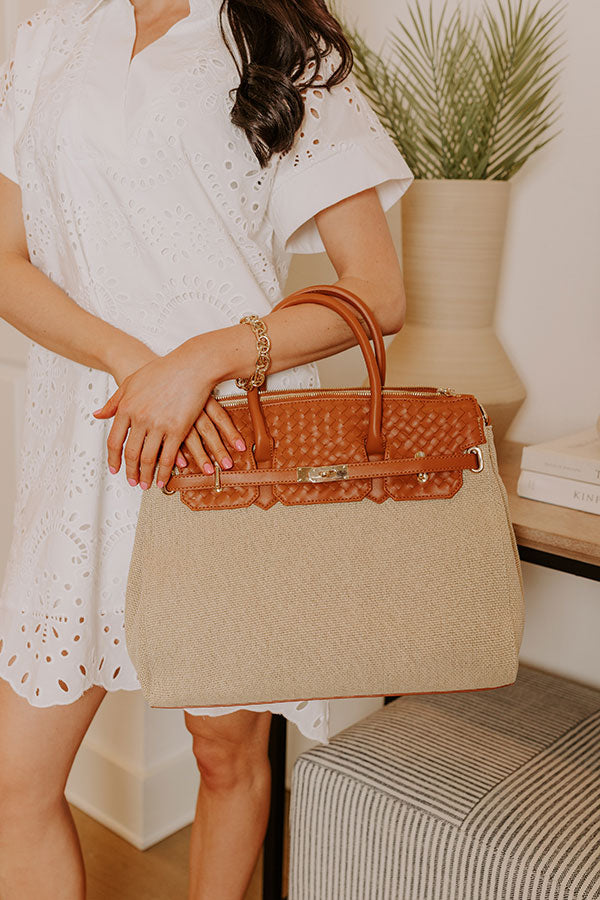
(160,484)
(112,470)
(132,482)
(226,462)
(143,485)
(240,445)
(209,468)
(181,461)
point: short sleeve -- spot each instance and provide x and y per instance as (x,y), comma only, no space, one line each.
(7,121)
(18,82)
(341,149)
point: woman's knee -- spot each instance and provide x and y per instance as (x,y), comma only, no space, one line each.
(29,783)
(231,753)
(25,794)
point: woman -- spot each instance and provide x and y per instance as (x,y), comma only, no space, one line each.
(160,161)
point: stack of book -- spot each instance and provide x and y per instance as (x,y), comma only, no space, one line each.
(564,471)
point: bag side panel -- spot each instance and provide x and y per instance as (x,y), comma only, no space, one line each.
(138,590)
(513,561)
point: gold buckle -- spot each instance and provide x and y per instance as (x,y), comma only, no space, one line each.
(218,485)
(479,455)
(318,474)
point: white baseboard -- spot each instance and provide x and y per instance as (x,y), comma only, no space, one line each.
(143,807)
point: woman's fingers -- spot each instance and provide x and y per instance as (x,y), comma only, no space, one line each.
(149,458)
(132,453)
(212,441)
(116,439)
(206,438)
(170,452)
(196,449)
(224,423)
(142,448)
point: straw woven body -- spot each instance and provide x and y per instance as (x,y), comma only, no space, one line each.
(235,606)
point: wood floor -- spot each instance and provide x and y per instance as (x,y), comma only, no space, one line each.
(117,871)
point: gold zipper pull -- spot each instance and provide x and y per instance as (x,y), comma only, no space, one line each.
(218,485)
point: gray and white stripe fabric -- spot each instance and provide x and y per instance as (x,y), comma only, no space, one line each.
(488,795)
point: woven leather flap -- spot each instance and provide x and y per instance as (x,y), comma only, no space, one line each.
(328,428)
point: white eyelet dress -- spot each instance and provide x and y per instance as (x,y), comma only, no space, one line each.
(147,206)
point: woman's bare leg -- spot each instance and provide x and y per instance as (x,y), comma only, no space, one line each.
(232,812)
(40,855)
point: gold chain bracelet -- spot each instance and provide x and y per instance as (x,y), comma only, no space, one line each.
(263,345)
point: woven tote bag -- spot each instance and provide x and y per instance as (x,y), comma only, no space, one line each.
(361,546)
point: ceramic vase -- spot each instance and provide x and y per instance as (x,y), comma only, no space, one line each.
(452,246)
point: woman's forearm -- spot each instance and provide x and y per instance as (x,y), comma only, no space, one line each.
(299,334)
(168,395)
(36,306)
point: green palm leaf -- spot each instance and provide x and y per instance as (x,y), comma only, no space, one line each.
(466,95)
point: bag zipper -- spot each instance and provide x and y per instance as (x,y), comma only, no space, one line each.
(234,399)
(240,400)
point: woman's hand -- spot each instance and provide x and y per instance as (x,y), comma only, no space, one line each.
(136,355)
(164,404)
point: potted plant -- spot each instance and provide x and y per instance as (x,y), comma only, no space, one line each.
(468,98)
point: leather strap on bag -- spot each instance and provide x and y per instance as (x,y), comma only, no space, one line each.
(374,440)
(352,472)
(353,300)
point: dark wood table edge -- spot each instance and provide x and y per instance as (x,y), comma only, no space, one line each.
(560,563)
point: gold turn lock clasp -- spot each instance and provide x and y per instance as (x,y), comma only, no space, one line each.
(317,474)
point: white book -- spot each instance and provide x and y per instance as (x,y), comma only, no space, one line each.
(558,490)
(574,456)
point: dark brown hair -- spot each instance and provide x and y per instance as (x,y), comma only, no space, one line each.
(276,41)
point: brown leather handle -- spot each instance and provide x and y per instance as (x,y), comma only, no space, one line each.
(335,290)
(374,441)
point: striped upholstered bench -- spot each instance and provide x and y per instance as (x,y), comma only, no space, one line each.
(490,795)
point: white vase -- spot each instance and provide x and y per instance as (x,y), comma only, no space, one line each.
(452,243)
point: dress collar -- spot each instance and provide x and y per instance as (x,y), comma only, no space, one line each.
(195,5)
(91,9)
